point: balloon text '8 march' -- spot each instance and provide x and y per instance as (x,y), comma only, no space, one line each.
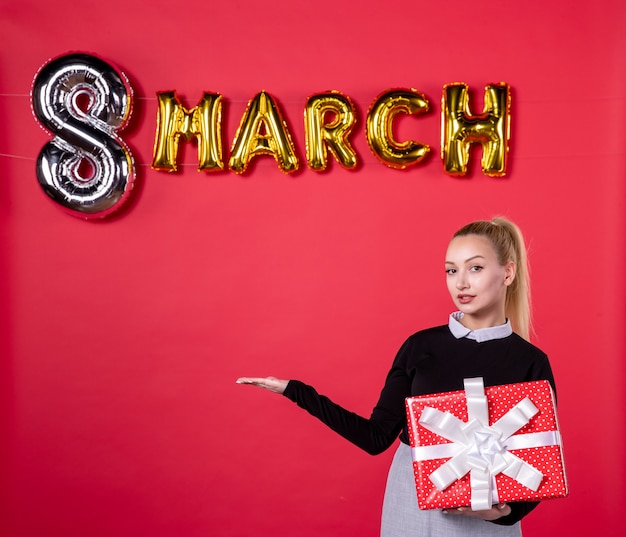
(88,169)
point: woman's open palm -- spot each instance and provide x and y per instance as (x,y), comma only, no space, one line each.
(269,383)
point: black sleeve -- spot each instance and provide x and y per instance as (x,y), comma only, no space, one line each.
(544,372)
(518,511)
(373,435)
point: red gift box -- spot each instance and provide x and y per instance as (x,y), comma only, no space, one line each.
(479,447)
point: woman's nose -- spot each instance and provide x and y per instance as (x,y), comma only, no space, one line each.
(461,281)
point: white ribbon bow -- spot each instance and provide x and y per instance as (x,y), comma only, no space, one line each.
(480,449)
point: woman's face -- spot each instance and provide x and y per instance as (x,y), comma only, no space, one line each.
(476,281)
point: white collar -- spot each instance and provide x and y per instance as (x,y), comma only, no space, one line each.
(482,334)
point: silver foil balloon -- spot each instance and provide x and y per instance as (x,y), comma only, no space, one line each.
(86,167)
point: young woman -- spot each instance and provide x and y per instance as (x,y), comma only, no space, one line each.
(487,277)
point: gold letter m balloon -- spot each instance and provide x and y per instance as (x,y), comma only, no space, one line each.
(204,122)
(460,129)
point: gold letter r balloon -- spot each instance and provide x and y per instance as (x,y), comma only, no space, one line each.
(323,133)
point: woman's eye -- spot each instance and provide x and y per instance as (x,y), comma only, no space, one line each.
(476,268)
(450,271)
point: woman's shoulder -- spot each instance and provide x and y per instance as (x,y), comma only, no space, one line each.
(525,345)
(433,334)
(422,343)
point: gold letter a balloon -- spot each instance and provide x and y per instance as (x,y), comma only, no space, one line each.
(262,131)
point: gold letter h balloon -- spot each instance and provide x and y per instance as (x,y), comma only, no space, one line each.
(460,129)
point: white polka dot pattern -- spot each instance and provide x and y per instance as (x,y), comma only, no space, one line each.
(548,459)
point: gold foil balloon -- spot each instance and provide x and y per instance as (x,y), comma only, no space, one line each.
(262,131)
(203,121)
(328,121)
(379,127)
(460,129)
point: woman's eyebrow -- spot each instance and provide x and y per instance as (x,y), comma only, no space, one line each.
(474,257)
(468,260)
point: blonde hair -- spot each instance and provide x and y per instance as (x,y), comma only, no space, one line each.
(508,243)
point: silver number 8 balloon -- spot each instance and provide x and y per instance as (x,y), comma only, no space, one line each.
(86,167)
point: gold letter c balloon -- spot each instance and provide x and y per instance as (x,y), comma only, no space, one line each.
(379,128)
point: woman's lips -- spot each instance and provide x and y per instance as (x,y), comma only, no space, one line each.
(465,299)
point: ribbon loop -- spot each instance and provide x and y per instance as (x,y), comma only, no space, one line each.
(516,418)
(449,472)
(443,423)
(522,472)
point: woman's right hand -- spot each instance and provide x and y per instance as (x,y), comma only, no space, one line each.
(269,383)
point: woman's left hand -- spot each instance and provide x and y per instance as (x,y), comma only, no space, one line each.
(497,511)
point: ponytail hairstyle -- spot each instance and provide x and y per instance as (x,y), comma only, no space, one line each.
(508,242)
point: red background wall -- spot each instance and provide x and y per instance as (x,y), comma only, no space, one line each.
(121,339)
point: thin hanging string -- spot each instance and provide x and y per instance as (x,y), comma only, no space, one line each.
(551,155)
